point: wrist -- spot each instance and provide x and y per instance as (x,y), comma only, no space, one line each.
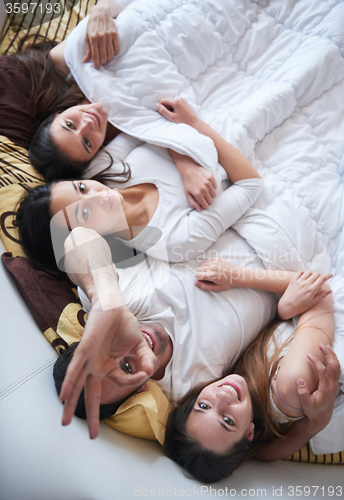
(316,425)
(237,275)
(198,124)
(109,7)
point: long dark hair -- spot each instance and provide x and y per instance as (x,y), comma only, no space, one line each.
(51,93)
(33,221)
(33,218)
(48,159)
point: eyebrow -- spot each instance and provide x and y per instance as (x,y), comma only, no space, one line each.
(199,410)
(82,142)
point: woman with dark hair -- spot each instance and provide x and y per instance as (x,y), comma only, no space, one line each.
(150,212)
(52,91)
(283,384)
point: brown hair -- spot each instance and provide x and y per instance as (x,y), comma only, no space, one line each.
(51,92)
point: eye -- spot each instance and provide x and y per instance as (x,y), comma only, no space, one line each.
(84,213)
(127,368)
(228,421)
(203,406)
(69,125)
(87,143)
(82,188)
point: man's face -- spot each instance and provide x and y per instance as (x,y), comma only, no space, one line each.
(160,347)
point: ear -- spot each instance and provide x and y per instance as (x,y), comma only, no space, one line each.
(250,432)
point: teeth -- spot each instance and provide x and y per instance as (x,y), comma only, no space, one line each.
(231,389)
(149,340)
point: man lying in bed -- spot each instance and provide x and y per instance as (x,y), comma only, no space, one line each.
(176,342)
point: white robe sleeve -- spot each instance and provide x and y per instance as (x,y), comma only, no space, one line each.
(196,232)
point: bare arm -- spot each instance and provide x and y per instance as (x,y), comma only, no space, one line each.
(218,274)
(111,330)
(236,165)
(315,327)
(317,406)
(102,42)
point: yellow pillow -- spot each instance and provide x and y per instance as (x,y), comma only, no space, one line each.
(143,415)
(16,177)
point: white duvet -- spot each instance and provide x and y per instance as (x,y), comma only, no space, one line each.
(269,77)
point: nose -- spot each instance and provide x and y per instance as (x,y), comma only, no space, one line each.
(100,197)
(223,399)
(86,122)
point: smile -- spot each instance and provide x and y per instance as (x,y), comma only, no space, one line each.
(231,389)
(95,117)
(148,339)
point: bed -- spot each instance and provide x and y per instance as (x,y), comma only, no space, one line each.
(299,152)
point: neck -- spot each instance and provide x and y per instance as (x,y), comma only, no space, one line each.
(139,205)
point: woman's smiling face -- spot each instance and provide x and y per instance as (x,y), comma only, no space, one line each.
(222,415)
(80,131)
(88,204)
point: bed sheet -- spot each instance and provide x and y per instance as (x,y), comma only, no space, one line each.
(269,77)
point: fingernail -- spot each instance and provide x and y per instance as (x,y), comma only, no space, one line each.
(300,382)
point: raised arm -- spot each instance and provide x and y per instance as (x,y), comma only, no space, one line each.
(317,406)
(315,327)
(236,165)
(111,330)
(102,42)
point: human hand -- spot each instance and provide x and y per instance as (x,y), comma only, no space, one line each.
(217,274)
(199,184)
(304,291)
(110,339)
(102,42)
(318,406)
(177,110)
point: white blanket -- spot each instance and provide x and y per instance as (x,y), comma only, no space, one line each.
(269,77)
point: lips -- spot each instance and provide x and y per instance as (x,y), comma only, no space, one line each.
(232,389)
(95,117)
(149,338)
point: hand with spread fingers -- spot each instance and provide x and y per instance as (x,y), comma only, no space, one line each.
(109,338)
(318,405)
(304,291)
